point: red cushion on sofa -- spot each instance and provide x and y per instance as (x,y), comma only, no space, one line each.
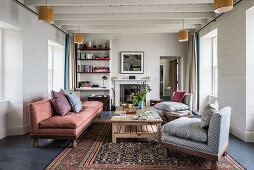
(178,96)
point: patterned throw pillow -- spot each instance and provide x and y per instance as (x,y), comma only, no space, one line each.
(207,113)
(70,91)
(75,102)
(60,103)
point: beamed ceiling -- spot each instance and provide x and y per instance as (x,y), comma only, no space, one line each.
(128,16)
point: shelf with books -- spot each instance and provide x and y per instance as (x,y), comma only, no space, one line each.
(95,72)
(96,59)
(94,49)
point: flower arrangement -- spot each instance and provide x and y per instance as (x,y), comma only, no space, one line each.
(140,95)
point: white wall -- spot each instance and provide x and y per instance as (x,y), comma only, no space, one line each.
(153,45)
(32,84)
(232,66)
(3,118)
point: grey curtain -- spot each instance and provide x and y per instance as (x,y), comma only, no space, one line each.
(71,79)
(191,70)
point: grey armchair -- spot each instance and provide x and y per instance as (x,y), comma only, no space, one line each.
(217,137)
(169,106)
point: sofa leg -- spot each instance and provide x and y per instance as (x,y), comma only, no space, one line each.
(214,165)
(74,143)
(225,154)
(166,152)
(36,143)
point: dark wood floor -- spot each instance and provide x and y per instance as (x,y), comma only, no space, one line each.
(17,153)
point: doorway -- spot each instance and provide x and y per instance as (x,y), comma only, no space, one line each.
(169,69)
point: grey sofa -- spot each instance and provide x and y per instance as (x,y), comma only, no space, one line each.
(217,138)
(169,106)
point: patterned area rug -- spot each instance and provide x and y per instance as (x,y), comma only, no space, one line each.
(95,151)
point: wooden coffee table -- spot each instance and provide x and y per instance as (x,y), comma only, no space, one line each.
(124,127)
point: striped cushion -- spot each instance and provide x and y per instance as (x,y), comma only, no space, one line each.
(188,128)
(75,102)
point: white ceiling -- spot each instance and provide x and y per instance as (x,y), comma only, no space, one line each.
(128,16)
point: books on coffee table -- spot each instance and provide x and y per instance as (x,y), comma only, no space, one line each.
(147,115)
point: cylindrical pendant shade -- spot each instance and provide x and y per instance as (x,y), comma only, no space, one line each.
(78,38)
(221,6)
(46,13)
(183,35)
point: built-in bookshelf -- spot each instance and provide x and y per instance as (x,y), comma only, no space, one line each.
(92,64)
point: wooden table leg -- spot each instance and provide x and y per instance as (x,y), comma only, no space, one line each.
(159,133)
(113,133)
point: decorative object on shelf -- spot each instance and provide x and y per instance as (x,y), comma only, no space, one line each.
(221,6)
(100,46)
(46,13)
(95,86)
(84,84)
(106,45)
(132,77)
(94,46)
(183,34)
(132,62)
(140,95)
(104,78)
(89,44)
(92,69)
(146,78)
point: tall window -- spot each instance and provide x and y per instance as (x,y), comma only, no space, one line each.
(215,66)
(1,67)
(50,69)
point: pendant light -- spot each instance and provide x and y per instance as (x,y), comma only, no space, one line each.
(46,13)
(183,34)
(78,38)
(221,6)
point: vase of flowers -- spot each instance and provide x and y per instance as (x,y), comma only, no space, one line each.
(140,95)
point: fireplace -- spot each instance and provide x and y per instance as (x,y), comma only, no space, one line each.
(118,83)
(127,92)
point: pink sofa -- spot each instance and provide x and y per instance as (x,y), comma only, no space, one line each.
(46,125)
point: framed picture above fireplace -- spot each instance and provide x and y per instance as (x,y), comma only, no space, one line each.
(132,62)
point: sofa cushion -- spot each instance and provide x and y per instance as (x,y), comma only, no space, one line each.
(71,120)
(75,102)
(60,103)
(188,128)
(207,113)
(171,106)
(178,96)
(70,91)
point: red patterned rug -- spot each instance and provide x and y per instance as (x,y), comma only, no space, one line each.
(95,151)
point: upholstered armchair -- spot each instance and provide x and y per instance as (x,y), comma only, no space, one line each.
(210,143)
(169,106)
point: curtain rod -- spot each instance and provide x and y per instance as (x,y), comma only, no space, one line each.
(215,18)
(35,13)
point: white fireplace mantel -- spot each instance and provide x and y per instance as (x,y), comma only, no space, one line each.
(118,82)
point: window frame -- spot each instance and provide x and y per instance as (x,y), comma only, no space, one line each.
(50,69)
(1,65)
(215,66)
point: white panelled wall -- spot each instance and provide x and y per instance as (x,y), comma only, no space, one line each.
(153,45)
(235,68)
(26,64)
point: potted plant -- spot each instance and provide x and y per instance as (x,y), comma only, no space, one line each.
(140,95)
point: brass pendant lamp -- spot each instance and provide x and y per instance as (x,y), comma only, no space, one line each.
(78,38)
(221,6)
(183,35)
(46,13)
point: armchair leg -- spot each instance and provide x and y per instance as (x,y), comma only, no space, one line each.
(74,143)
(214,165)
(36,143)
(166,152)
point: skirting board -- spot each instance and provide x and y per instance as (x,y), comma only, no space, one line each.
(18,130)
(3,133)
(241,134)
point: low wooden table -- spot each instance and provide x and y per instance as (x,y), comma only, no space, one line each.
(124,127)
(171,116)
